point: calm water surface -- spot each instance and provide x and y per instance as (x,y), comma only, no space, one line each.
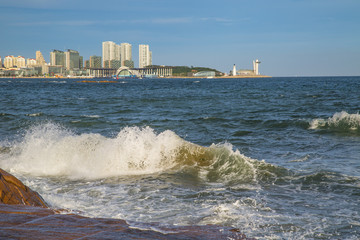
(278,158)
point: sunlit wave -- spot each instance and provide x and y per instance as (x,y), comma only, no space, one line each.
(51,150)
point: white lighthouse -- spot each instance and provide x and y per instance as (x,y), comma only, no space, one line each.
(234,70)
(256,66)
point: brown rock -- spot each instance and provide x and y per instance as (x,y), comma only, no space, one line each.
(13,191)
(27,222)
(24,215)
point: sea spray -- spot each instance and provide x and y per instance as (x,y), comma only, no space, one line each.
(49,149)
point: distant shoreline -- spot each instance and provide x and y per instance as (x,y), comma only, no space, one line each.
(177,77)
(237,76)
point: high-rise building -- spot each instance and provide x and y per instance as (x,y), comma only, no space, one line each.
(72,59)
(30,62)
(95,62)
(87,64)
(110,51)
(145,56)
(115,64)
(0,62)
(117,52)
(106,64)
(81,62)
(128,63)
(8,62)
(126,54)
(40,58)
(57,57)
(20,62)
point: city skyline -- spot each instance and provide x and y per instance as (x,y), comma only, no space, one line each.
(122,53)
(289,37)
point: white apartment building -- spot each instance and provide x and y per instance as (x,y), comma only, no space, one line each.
(145,56)
(40,58)
(20,62)
(8,62)
(110,51)
(126,53)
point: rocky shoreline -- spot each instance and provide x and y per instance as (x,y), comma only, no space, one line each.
(24,215)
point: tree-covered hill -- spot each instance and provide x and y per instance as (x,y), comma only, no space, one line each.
(185,71)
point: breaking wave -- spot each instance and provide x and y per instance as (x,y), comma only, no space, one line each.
(51,150)
(339,122)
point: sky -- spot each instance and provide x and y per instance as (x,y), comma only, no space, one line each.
(289,37)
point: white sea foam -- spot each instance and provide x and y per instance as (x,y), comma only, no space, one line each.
(49,149)
(91,116)
(34,114)
(341,120)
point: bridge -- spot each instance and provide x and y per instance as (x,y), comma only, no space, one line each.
(158,71)
(102,72)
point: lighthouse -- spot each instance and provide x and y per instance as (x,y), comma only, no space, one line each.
(234,70)
(256,66)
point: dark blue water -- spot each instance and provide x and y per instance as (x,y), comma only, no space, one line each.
(278,158)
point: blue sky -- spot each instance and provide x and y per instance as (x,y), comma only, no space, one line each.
(289,37)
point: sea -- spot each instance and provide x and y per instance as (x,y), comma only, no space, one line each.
(277,158)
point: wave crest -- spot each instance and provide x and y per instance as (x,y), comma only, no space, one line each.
(341,122)
(51,150)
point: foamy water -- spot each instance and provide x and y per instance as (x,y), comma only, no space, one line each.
(50,150)
(341,121)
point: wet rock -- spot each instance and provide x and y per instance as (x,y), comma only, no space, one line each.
(13,191)
(28,222)
(24,215)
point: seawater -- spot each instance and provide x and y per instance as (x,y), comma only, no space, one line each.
(278,158)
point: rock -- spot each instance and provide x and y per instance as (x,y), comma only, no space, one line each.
(25,215)
(13,191)
(28,222)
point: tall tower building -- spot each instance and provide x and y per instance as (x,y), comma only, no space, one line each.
(0,62)
(20,62)
(72,59)
(117,52)
(8,62)
(57,58)
(126,53)
(95,62)
(30,62)
(81,62)
(110,51)
(234,70)
(40,58)
(145,56)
